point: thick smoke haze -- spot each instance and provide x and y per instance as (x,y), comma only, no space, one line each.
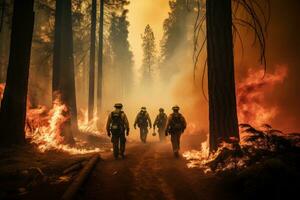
(283,49)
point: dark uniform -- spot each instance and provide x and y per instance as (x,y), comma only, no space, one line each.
(175,127)
(117,125)
(161,122)
(143,121)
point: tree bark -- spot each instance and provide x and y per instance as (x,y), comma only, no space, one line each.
(221,83)
(13,106)
(63,65)
(92,61)
(3,4)
(100,59)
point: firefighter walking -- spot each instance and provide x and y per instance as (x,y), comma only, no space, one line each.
(143,121)
(117,126)
(161,122)
(175,127)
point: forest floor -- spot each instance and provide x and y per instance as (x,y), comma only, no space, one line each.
(27,173)
(149,171)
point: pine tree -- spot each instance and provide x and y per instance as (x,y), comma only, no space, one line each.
(122,57)
(175,35)
(13,105)
(223,120)
(63,65)
(100,59)
(92,60)
(149,57)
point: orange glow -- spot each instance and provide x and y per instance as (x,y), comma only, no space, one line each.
(44,128)
(2,86)
(85,125)
(252,106)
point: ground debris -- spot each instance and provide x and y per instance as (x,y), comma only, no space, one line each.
(256,145)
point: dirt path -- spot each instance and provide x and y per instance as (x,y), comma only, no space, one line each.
(149,172)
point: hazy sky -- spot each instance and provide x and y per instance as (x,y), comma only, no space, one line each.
(141,13)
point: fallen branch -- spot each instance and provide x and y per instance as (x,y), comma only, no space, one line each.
(77,183)
(74,167)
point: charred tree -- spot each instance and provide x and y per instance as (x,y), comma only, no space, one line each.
(221,83)
(100,59)
(13,105)
(63,66)
(92,60)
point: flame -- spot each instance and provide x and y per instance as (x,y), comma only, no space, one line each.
(88,126)
(201,159)
(251,96)
(2,86)
(198,158)
(44,128)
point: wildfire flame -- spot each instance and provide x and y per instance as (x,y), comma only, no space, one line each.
(2,86)
(88,126)
(201,159)
(44,127)
(252,108)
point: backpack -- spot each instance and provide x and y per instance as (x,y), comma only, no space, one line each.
(116,122)
(142,120)
(176,123)
(161,121)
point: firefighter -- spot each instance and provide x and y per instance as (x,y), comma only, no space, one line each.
(117,126)
(161,122)
(176,125)
(143,121)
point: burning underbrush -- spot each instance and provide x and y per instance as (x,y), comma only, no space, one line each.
(44,129)
(256,145)
(45,126)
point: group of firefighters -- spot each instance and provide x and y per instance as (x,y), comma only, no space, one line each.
(117,127)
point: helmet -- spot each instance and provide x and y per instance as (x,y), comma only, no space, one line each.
(118,105)
(161,110)
(175,108)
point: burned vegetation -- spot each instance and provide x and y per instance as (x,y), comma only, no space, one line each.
(263,160)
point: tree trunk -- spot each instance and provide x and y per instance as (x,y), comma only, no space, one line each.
(92,61)
(3,4)
(221,84)
(100,59)
(13,106)
(63,65)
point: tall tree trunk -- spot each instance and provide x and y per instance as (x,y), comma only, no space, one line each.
(13,106)
(63,65)
(3,40)
(221,83)
(3,4)
(100,59)
(92,60)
